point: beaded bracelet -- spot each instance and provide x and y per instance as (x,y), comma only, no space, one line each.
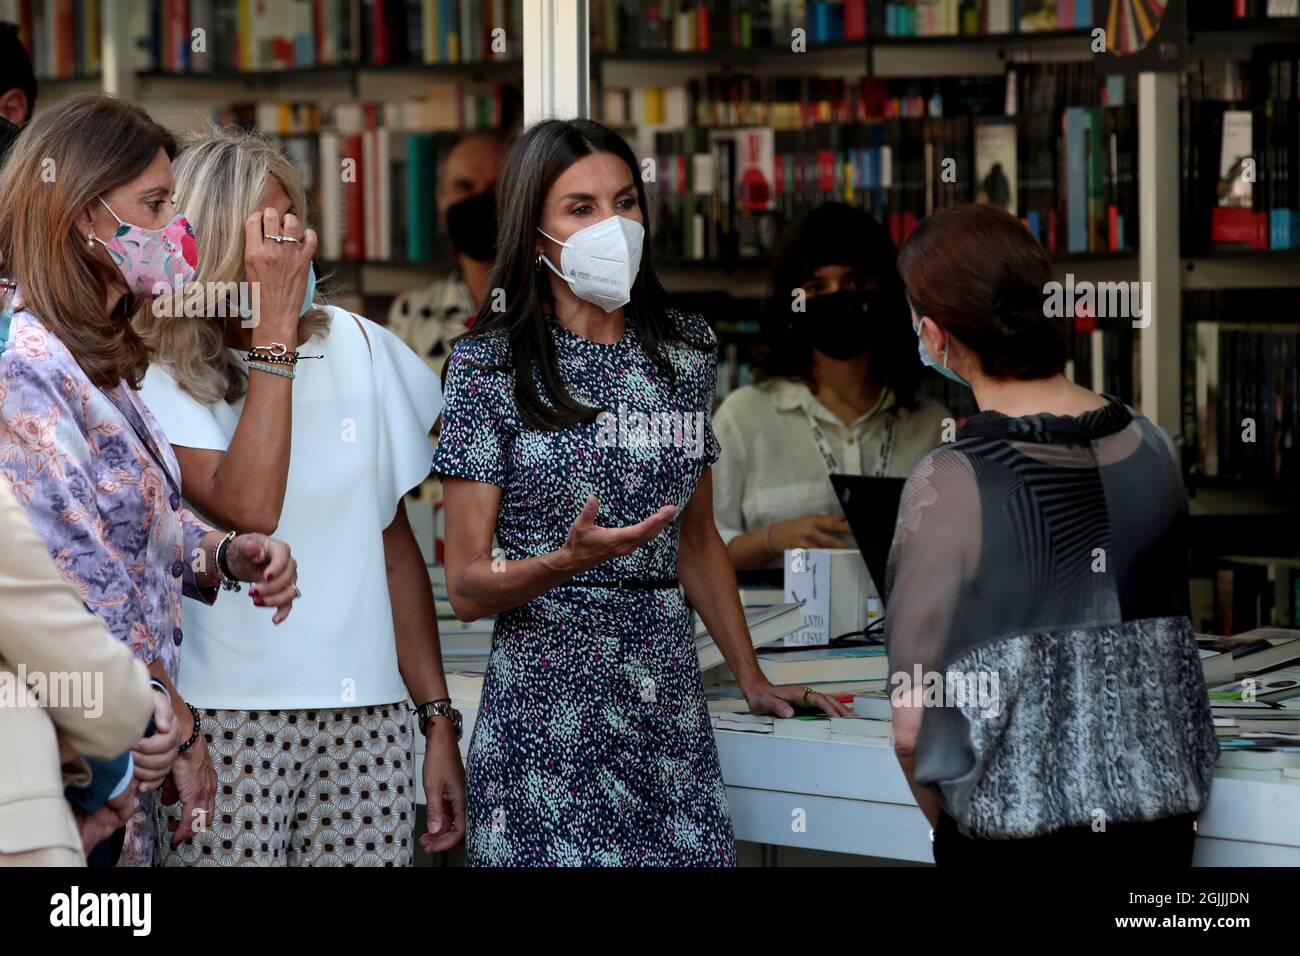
(276,352)
(261,367)
(194,734)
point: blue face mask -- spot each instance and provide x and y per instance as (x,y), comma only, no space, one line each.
(246,313)
(311,290)
(928,362)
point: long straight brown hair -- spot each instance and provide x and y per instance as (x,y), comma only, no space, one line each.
(76,150)
(536,159)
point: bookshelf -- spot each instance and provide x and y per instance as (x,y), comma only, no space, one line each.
(562,68)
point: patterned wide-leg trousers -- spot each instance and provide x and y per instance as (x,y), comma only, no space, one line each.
(327,787)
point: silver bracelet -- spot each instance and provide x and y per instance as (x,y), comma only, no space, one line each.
(262,367)
(767,540)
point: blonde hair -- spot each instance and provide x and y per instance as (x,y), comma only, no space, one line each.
(78,149)
(220,176)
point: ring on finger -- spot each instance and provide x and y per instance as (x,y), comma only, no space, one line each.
(297,593)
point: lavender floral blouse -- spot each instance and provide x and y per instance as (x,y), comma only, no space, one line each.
(114,524)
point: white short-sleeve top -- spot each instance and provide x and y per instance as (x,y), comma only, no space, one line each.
(361,421)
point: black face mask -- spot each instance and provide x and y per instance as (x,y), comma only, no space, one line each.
(841,325)
(472,226)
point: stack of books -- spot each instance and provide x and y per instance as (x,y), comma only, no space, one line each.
(1256,711)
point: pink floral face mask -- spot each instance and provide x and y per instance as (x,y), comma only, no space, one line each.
(150,258)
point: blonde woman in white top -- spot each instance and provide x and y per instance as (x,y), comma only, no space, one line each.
(309,727)
(836,392)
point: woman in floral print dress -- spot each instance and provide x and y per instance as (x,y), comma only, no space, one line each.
(577,430)
(86,459)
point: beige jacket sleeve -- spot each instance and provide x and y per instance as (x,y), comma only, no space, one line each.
(45,627)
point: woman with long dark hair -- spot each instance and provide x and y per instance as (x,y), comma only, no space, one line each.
(1049,702)
(576,429)
(836,391)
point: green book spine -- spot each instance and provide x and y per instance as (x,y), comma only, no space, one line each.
(419,196)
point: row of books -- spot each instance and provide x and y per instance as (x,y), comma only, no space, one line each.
(180,36)
(800,101)
(1239,593)
(62,36)
(1240,156)
(927,18)
(370,169)
(441,106)
(1241,384)
(702,25)
(725,194)
(1218,14)
(627,26)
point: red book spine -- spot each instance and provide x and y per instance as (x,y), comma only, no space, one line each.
(1233,226)
(378,33)
(855,19)
(354,225)
(318,28)
(1261,230)
(180,29)
(67,39)
(825,170)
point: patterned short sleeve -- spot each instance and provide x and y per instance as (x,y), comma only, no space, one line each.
(474,437)
(699,367)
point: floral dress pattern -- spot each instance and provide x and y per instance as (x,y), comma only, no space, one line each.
(115,528)
(592,744)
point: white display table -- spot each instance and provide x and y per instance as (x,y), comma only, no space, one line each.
(852,798)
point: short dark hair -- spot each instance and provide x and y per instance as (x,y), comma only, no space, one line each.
(980,274)
(16,71)
(836,234)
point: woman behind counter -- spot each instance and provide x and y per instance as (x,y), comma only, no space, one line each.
(593,744)
(836,392)
(1041,555)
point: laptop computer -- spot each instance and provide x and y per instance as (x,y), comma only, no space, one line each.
(871,507)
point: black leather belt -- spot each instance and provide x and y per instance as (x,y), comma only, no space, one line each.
(627,584)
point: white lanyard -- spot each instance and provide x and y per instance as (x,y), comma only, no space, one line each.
(832,463)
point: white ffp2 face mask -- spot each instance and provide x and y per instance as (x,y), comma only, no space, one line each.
(600,262)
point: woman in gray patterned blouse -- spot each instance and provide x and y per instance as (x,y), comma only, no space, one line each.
(1049,699)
